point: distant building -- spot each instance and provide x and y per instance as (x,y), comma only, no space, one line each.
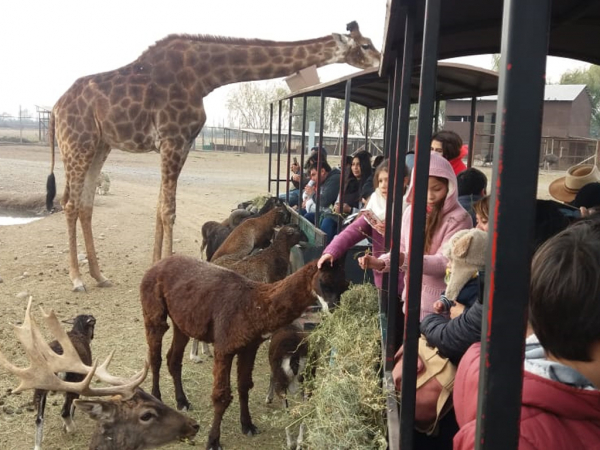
(565,127)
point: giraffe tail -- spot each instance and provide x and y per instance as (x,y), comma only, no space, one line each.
(51,182)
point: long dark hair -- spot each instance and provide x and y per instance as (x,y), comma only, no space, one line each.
(434,218)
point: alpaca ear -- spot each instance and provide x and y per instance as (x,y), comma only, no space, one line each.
(461,246)
(101,410)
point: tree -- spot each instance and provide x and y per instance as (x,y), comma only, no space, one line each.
(496,62)
(591,78)
(248,104)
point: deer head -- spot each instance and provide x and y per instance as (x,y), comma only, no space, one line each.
(133,420)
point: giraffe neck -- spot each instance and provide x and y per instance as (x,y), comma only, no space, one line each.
(215,61)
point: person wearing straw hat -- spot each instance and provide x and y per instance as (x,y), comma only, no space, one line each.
(566,188)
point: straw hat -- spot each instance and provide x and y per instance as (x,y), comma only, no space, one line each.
(565,188)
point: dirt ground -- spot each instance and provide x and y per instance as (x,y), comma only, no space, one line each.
(34,260)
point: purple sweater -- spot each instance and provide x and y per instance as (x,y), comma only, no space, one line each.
(353,234)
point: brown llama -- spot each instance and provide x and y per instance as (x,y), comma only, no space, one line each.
(266,266)
(217,305)
(214,233)
(252,233)
(132,420)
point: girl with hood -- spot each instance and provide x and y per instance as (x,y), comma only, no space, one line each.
(445,217)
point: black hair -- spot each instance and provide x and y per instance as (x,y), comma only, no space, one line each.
(471,181)
(549,221)
(565,292)
(451,143)
(588,196)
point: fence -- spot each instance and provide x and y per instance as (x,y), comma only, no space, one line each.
(556,152)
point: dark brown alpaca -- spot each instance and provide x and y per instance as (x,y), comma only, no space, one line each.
(256,232)
(214,233)
(266,266)
(217,305)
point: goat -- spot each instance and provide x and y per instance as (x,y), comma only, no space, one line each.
(287,357)
(81,336)
(266,266)
(134,420)
(288,353)
(217,305)
(215,233)
(252,233)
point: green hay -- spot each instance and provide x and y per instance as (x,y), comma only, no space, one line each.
(346,408)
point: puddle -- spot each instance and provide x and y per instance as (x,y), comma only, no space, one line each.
(8,220)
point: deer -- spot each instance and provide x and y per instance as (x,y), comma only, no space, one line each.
(235,314)
(133,420)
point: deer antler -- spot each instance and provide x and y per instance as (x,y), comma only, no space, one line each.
(45,363)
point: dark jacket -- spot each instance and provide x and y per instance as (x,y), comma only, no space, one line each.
(453,337)
(330,189)
(467,202)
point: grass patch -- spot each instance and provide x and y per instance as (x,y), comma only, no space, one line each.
(346,408)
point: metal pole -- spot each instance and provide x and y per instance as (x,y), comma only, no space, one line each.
(270,146)
(472,131)
(289,150)
(417,232)
(318,184)
(277,179)
(347,96)
(367,117)
(436,115)
(302,144)
(525,33)
(395,325)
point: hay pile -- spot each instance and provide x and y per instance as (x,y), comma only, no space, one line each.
(346,405)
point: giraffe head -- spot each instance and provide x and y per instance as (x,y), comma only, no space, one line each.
(355,49)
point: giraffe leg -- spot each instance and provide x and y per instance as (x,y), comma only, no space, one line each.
(173,155)
(158,234)
(86,209)
(71,210)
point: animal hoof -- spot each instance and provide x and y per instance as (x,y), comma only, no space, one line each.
(79,288)
(268,400)
(105,283)
(250,430)
(185,407)
(196,359)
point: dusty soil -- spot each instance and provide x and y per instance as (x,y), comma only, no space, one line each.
(34,260)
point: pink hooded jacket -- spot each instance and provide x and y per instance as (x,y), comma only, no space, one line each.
(454,218)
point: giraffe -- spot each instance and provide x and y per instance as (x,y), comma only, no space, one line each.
(156,104)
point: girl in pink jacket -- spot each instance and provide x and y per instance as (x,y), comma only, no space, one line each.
(445,217)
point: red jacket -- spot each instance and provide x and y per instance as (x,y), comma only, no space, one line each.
(554,416)
(457,164)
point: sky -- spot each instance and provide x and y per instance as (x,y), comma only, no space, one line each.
(47,45)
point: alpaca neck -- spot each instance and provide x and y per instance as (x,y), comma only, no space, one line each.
(288,298)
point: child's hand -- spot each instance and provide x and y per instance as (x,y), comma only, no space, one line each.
(380,227)
(438,307)
(370,262)
(456,310)
(326,257)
